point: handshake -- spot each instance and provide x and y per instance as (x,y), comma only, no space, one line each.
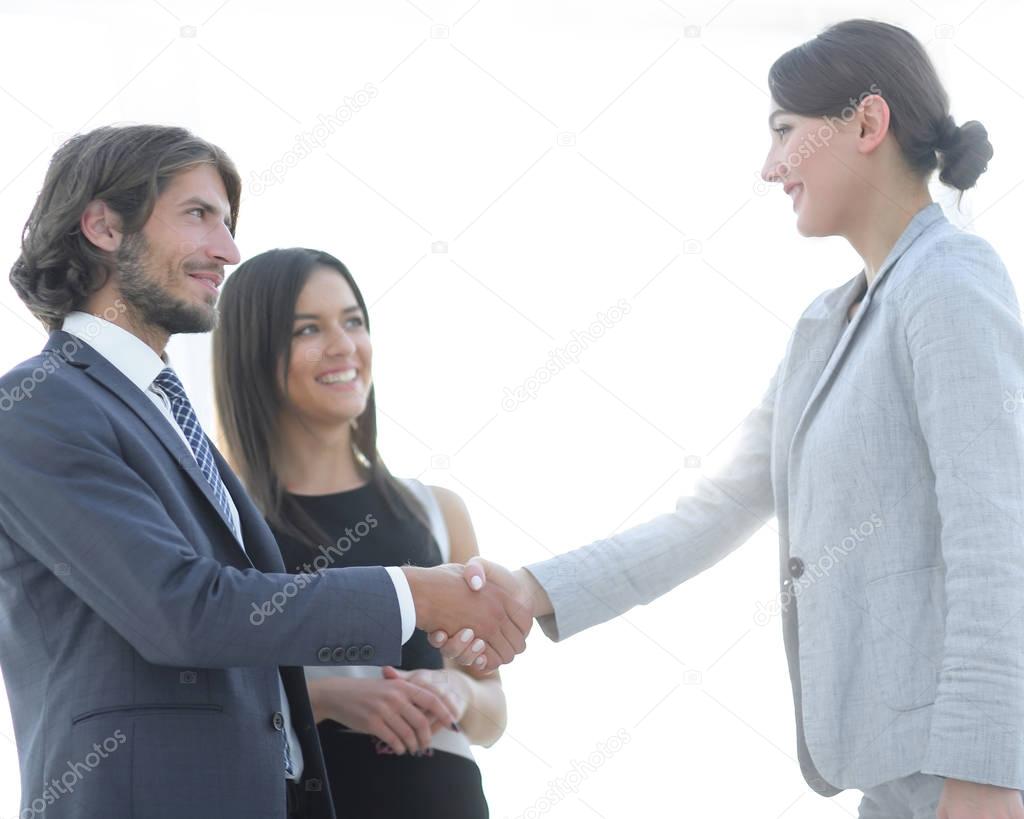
(456,603)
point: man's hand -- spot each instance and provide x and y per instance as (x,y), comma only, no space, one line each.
(520,585)
(444,601)
(973,800)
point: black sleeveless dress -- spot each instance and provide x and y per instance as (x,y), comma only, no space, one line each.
(366,778)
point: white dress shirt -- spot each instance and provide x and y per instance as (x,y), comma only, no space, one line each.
(141,365)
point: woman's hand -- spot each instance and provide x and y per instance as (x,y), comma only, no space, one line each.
(449,686)
(973,800)
(402,713)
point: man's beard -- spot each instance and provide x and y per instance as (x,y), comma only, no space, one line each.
(147,303)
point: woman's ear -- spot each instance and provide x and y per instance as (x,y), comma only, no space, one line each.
(873,121)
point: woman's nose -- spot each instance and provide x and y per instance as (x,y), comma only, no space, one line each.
(769,171)
(341,344)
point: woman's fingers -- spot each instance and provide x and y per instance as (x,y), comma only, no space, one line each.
(474,575)
(383,730)
(419,724)
(457,645)
(437,639)
(431,703)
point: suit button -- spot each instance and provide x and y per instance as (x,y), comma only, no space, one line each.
(787,583)
(314,785)
(366,652)
(339,654)
(796,566)
(324,654)
(352,654)
(277,720)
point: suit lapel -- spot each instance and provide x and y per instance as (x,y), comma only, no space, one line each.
(260,543)
(817,348)
(113,380)
(822,339)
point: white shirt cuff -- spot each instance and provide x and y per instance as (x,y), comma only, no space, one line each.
(405,601)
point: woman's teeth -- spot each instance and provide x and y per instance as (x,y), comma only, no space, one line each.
(340,377)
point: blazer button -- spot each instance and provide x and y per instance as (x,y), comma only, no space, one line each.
(324,654)
(277,720)
(314,785)
(366,652)
(339,654)
(796,566)
(352,654)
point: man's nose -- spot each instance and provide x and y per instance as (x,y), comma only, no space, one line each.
(221,245)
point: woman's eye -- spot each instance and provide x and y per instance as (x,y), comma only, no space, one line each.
(356,322)
(781,130)
(302,330)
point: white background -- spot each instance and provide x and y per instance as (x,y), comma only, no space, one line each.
(569,154)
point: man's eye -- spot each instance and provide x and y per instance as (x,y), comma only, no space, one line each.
(200,211)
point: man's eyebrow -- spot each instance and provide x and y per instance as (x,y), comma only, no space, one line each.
(198,200)
(355,308)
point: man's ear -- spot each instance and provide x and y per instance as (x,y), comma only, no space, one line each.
(101,226)
(873,121)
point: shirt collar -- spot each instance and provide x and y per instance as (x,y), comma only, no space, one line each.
(127,352)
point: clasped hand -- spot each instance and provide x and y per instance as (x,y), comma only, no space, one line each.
(487,611)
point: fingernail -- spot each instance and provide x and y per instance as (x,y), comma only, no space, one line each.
(478,645)
(480,661)
(467,635)
(440,636)
(476,582)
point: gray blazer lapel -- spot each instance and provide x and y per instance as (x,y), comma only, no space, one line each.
(829,331)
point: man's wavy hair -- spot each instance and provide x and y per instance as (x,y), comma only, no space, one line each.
(127,167)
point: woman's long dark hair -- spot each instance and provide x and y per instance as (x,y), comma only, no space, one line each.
(854,58)
(251,346)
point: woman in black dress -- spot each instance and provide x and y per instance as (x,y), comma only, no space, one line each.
(295,400)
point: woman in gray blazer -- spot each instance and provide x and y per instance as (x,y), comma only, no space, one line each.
(889,445)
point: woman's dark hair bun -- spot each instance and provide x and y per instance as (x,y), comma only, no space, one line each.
(964,153)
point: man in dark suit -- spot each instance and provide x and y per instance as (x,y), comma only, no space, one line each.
(150,639)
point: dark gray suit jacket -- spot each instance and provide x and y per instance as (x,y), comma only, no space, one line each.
(139,643)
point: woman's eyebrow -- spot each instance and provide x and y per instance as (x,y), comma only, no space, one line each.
(355,308)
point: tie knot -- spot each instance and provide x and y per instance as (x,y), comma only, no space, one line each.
(168,381)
